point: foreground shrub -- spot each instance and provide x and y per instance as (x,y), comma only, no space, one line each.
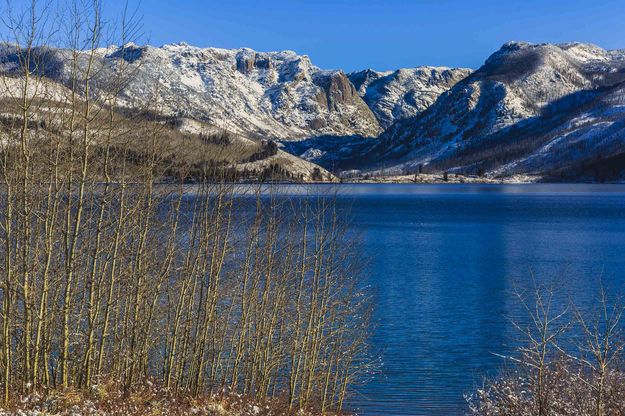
(570,392)
(570,362)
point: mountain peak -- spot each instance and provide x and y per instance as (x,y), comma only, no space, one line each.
(581,51)
(514,45)
(406,92)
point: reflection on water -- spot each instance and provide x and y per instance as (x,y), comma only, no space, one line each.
(445,262)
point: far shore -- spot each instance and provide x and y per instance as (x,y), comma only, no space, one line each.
(440,178)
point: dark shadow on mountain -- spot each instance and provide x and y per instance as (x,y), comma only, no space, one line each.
(600,169)
(511,68)
(334,153)
(521,139)
(43,61)
(129,53)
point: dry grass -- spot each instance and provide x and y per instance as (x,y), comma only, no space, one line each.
(147,399)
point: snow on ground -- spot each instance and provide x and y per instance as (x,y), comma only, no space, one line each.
(424,178)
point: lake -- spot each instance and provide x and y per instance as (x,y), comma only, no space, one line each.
(445,262)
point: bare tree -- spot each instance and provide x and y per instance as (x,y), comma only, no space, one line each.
(574,373)
(108,273)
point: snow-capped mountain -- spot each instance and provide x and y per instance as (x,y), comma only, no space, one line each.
(395,95)
(277,95)
(273,95)
(528,109)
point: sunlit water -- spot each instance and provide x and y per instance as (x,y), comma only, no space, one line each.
(445,262)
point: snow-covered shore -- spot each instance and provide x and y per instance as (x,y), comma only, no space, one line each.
(440,178)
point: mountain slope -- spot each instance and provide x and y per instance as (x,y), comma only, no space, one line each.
(523,111)
(274,95)
(404,93)
(188,149)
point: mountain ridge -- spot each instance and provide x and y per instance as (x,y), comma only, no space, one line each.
(273,95)
(530,109)
(523,91)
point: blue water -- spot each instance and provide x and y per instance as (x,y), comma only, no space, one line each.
(445,262)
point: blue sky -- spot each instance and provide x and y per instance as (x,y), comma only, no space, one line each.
(358,34)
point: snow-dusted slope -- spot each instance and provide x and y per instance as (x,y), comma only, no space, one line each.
(278,95)
(591,134)
(510,108)
(404,93)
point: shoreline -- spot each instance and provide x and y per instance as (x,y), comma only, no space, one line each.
(439,179)
(428,178)
(423,179)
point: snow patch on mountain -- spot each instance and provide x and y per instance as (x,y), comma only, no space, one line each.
(395,95)
(279,95)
